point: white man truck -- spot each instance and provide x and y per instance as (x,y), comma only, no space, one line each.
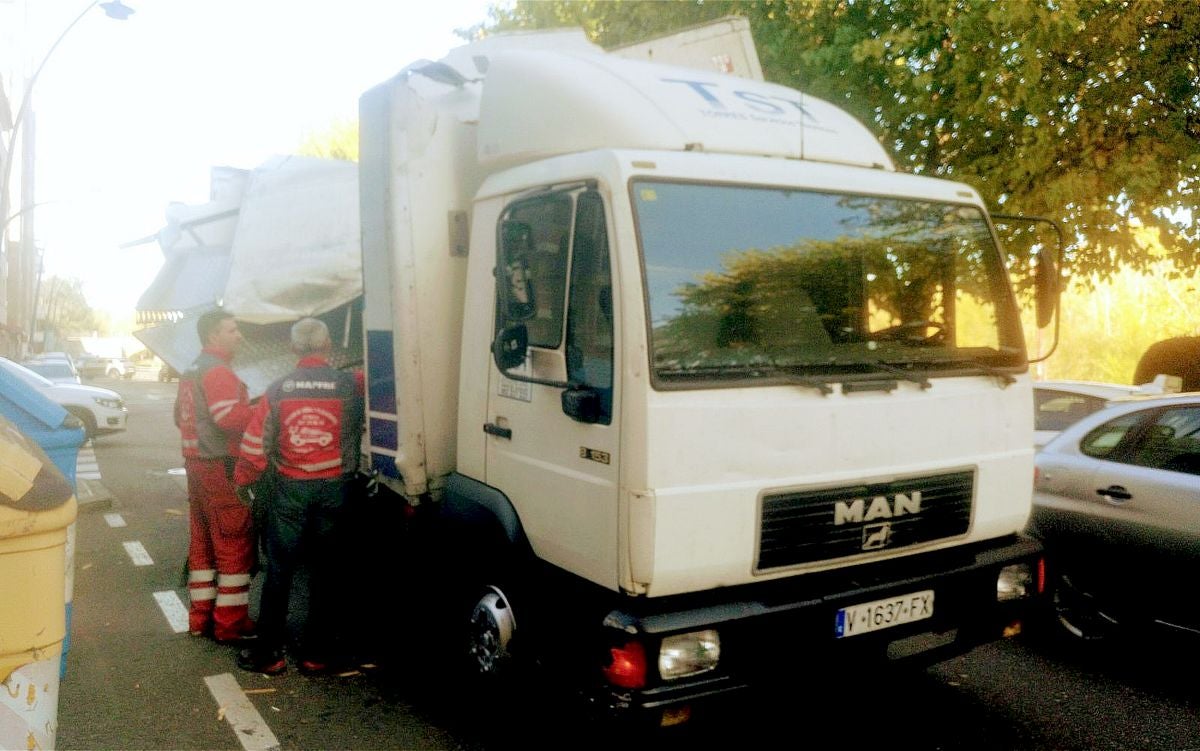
(697,389)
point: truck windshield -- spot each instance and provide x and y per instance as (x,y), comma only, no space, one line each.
(752,283)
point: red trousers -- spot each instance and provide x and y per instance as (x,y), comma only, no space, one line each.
(221,552)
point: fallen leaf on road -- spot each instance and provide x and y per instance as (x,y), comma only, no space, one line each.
(175,511)
(348,674)
(275,708)
(220,713)
(260,691)
(86,566)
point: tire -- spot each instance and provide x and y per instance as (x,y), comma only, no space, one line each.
(488,635)
(88,420)
(1079,615)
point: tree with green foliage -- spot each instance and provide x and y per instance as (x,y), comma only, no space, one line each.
(1086,111)
(340,141)
(63,308)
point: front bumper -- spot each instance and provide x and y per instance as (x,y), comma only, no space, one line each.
(111,420)
(782,633)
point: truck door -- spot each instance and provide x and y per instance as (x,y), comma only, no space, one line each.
(553,425)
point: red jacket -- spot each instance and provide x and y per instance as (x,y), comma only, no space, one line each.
(308,425)
(212,407)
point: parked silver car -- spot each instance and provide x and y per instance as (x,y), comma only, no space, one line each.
(1117,502)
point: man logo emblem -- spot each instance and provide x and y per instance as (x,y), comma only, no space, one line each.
(289,385)
(876,536)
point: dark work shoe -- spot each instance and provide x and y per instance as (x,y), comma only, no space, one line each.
(265,661)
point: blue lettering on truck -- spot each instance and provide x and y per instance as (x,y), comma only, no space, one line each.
(753,100)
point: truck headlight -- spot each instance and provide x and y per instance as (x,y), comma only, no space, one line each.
(110,403)
(689,654)
(1015,582)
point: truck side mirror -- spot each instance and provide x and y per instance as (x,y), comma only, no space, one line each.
(513,284)
(509,347)
(582,404)
(1046,289)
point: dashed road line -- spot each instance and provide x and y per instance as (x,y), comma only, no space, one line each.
(137,553)
(172,607)
(247,723)
(114,520)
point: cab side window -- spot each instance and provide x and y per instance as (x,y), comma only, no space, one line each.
(590,310)
(555,256)
(549,221)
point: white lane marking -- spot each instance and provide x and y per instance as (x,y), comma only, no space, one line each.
(86,465)
(245,720)
(138,554)
(172,607)
(114,520)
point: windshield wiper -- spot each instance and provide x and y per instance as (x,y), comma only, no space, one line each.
(783,373)
(1005,377)
(907,375)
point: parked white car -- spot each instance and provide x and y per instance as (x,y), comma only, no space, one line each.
(92,366)
(1058,405)
(59,371)
(100,410)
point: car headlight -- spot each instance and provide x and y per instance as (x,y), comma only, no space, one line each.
(689,654)
(104,401)
(1015,582)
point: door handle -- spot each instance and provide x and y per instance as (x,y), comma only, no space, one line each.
(493,429)
(1114,494)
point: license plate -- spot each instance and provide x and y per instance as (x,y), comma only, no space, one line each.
(881,614)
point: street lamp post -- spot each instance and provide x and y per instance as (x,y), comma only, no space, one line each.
(113,9)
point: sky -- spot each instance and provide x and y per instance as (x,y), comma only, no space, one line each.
(131,115)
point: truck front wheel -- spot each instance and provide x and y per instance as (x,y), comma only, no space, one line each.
(490,632)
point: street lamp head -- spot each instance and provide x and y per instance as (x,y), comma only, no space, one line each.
(116,9)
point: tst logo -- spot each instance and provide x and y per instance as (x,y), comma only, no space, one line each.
(722,99)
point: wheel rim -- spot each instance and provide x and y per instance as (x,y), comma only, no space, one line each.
(490,631)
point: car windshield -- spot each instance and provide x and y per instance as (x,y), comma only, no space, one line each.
(25,374)
(754,283)
(1058,410)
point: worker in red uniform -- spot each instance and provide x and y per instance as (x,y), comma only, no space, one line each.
(211,410)
(305,435)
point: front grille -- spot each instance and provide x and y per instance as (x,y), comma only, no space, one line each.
(801,527)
